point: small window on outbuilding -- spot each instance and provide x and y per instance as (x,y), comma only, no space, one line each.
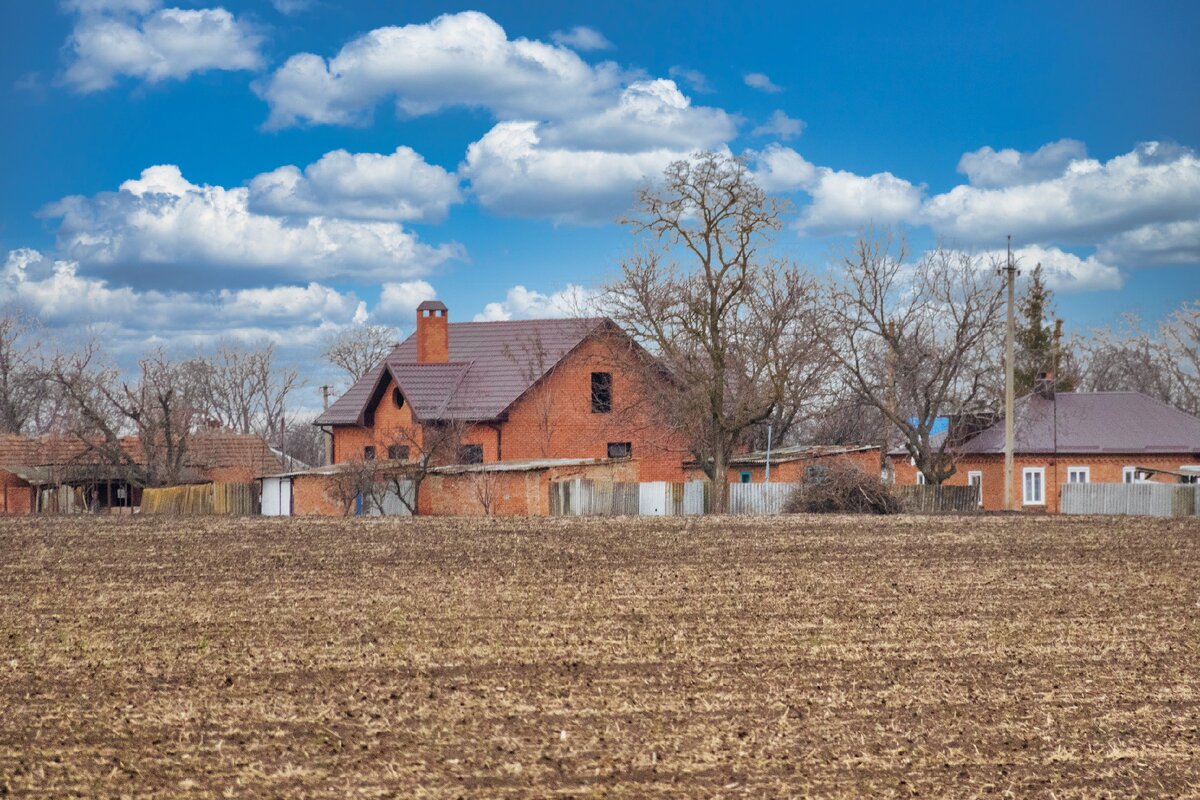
(620,449)
(368,453)
(398,452)
(470,454)
(745,477)
(816,473)
(601,392)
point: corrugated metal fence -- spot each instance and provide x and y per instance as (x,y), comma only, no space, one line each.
(1135,499)
(201,499)
(759,498)
(588,498)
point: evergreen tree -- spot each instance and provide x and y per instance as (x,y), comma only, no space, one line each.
(1035,339)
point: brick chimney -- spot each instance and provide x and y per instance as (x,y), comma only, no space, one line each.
(433,333)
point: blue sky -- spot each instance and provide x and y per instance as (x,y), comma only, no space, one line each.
(177,173)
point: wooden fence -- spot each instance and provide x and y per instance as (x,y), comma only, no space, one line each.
(589,498)
(940,499)
(201,499)
(1134,499)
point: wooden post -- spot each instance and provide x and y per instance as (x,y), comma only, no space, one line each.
(1010,271)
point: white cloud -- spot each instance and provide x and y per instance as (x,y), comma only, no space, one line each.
(399,186)
(522,303)
(111,6)
(398,301)
(163,219)
(170,43)
(581,37)
(694,78)
(647,114)
(991,169)
(463,59)
(757,80)
(1067,272)
(842,202)
(512,173)
(1165,243)
(1155,184)
(780,125)
(61,298)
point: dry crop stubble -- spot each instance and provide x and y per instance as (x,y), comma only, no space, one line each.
(829,656)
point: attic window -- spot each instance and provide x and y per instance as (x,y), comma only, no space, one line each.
(398,397)
(620,449)
(601,392)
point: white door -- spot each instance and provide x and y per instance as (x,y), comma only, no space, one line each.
(653,498)
(277,497)
(285,497)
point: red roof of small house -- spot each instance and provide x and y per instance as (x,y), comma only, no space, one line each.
(206,450)
(491,364)
(1092,422)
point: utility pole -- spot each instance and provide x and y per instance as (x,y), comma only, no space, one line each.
(1010,273)
(328,434)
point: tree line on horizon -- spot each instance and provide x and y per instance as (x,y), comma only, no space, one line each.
(876,352)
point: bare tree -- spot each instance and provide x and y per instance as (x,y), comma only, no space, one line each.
(246,390)
(161,408)
(917,342)
(355,481)
(534,360)
(1181,334)
(23,389)
(727,324)
(358,350)
(485,485)
(414,452)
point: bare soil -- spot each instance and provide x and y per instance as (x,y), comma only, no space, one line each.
(724,657)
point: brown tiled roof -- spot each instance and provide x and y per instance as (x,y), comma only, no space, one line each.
(1093,422)
(491,364)
(206,450)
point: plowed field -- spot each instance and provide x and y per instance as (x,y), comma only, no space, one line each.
(834,657)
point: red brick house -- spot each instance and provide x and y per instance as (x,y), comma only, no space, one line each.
(29,465)
(517,390)
(1075,437)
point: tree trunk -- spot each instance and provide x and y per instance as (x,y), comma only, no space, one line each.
(720,483)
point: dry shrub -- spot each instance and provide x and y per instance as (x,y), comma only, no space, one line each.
(842,489)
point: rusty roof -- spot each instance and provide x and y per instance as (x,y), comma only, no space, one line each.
(1092,422)
(206,450)
(491,364)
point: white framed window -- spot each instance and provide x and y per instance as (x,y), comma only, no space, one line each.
(975,478)
(920,479)
(1033,484)
(1184,468)
(1079,474)
(1132,475)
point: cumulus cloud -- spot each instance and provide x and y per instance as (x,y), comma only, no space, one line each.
(398,301)
(132,319)
(1067,272)
(581,37)
(513,173)
(113,39)
(759,81)
(842,202)
(522,303)
(1166,243)
(1155,184)
(988,168)
(399,186)
(162,220)
(781,126)
(463,59)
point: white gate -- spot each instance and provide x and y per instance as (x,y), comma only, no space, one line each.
(654,498)
(277,497)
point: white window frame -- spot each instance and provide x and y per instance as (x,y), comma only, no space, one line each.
(920,478)
(975,473)
(1189,477)
(1131,474)
(1085,471)
(1041,473)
